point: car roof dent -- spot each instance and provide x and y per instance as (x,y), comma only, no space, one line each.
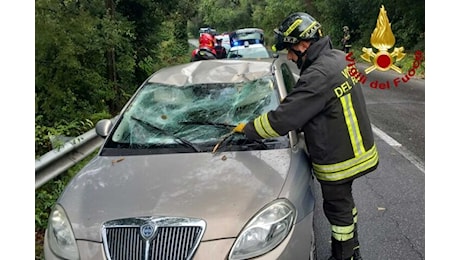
(212,71)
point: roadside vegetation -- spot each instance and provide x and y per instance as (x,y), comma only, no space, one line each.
(90,56)
(45,197)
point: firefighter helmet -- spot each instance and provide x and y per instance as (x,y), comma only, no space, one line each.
(296,27)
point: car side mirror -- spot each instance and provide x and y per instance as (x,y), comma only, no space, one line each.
(103,127)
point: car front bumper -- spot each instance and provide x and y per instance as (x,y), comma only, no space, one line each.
(296,246)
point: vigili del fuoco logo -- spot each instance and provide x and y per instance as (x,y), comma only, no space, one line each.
(383,40)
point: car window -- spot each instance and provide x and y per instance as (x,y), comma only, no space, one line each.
(202,113)
(249,53)
(288,77)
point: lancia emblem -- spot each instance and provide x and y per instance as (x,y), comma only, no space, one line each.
(148,231)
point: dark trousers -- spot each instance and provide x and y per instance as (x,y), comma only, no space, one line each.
(340,210)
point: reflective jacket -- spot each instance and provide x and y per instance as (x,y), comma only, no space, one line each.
(346,40)
(328,105)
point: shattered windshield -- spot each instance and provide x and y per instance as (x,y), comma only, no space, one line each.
(195,116)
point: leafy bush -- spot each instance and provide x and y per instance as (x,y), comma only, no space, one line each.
(408,62)
(45,135)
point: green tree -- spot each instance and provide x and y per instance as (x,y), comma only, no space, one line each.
(224,15)
(269,14)
(91,56)
(72,39)
(407,20)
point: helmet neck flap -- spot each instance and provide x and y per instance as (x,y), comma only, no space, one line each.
(300,57)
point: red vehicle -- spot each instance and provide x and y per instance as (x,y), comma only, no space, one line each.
(205,50)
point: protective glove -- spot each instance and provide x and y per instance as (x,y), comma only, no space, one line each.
(239,128)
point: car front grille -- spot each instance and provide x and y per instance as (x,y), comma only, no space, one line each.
(152,238)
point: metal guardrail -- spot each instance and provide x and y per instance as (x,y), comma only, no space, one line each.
(59,160)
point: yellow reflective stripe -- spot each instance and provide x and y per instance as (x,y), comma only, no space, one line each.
(355,215)
(348,164)
(263,127)
(342,237)
(343,233)
(339,171)
(307,31)
(343,229)
(292,27)
(352,124)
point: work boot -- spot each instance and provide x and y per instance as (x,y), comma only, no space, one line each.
(357,255)
(333,258)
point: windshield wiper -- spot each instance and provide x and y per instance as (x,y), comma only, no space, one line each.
(182,141)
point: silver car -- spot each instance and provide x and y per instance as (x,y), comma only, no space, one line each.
(173,181)
(248,51)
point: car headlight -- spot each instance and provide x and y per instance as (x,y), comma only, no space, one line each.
(266,230)
(60,235)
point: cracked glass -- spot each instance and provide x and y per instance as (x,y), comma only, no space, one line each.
(195,116)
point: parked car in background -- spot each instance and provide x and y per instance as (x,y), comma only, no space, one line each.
(173,181)
(209,30)
(250,35)
(248,51)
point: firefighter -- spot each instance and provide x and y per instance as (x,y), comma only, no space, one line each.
(346,39)
(221,52)
(328,105)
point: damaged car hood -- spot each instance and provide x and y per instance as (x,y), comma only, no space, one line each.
(224,189)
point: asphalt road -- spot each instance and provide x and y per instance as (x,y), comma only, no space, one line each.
(390,200)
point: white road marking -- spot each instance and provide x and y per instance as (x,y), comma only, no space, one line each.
(401,149)
(385,137)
